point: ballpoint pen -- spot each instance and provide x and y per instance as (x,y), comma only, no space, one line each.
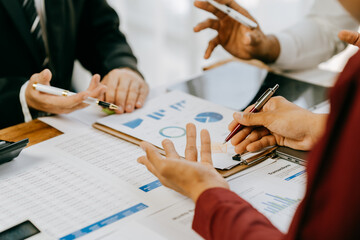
(234,14)
(61,92)
(257,107)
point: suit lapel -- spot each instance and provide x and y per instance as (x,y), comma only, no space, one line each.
(15,11)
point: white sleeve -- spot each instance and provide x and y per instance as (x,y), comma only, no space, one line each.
(314,39)
(24,106)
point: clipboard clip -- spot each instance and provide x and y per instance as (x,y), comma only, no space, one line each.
(269,153)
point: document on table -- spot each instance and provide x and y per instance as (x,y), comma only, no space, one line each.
(88,184)
(275,189)
(70,188)
(166,116)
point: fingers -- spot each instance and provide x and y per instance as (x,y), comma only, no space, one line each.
(145,161)
(44,77)
(111,82)
(152,154)
(254,136)
(232,125)
(209,8)
(94,83)
(350,37)
(209,23)
(69,103)
(212,45)
(205,152)
(133,94)
(170,149)
(265,141)
(122,92)
(252,119)
(144,91)
(241,135)
(96,89)
(191,149)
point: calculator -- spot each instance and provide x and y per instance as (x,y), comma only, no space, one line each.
(10,150)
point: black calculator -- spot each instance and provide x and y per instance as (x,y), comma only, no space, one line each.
(10,150)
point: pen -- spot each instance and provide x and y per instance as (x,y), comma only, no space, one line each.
(258,105)
(61,92)
(234,14)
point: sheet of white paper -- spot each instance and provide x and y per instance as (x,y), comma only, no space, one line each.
(75,121)
(275,190)
(322,108)
(61,198)
(174,222)
(166,117)
(248,155)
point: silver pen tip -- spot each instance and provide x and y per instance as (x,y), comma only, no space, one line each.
(275,87)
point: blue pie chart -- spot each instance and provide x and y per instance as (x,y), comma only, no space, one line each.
(209,117)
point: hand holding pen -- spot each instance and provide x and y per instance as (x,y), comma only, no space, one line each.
(238,32)
(264,98)
(281,123)
(60,104)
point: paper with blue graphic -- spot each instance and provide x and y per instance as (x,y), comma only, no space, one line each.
(166,116)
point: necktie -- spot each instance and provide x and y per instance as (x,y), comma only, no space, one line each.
(35,27)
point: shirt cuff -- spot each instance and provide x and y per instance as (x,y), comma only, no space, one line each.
(287,51)
(24,106)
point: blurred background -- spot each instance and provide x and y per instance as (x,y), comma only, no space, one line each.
(161,35)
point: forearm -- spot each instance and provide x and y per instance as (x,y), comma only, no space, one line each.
(314,39)
(221,214)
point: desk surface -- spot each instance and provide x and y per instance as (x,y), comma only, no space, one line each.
(35,130)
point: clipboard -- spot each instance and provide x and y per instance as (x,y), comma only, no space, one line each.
(254,160)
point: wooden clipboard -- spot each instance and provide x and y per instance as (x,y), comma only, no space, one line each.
(224,173)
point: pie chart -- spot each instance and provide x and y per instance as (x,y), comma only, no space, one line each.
(208,117)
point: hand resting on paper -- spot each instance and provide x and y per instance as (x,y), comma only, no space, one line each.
(188,177)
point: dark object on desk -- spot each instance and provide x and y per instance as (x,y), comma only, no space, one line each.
(21,231)
(292,155)
(285,153)
(236,85)
(10,150)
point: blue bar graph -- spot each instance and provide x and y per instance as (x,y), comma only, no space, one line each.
(277,204)
(151,186)
(295,175)
(107,221)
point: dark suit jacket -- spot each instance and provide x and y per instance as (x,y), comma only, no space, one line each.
(87,30)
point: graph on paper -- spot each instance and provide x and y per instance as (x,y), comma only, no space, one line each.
(275,204)
(166,116)
(209,117)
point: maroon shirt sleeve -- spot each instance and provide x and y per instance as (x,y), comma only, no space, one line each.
(221,214)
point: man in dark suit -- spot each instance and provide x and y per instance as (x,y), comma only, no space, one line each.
(51,34)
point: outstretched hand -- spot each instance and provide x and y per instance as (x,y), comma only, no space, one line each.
(188,177)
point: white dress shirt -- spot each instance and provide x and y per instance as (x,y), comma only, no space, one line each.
(314,39)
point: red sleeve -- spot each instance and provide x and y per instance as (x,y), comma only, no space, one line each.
(221,214)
